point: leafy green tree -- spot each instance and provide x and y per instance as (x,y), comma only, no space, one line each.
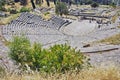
(61,8)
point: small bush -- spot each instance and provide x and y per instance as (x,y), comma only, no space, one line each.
(24,9)
(58,58)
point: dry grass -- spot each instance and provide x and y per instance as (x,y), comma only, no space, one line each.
(111,73)
(112,40)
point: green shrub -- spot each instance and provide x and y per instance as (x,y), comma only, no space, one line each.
(24,9)
(57,58)
(19,49)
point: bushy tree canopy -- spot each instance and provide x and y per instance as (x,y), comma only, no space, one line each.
(61,8)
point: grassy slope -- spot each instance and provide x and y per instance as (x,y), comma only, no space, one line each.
(112,40)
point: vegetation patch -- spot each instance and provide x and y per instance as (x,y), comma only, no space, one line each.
(24,9)
(57,58)
(112,40)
